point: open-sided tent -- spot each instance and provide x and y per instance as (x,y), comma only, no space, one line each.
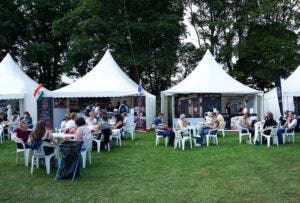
(290,95)
(15,84)
(209,78)
(106,79)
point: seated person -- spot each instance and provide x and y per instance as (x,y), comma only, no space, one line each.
(269,122)
(118,122)
(290,123)
(82,133)
(283,118)
(159,127)
(125,119)
(220,118)
(246,123)
(203,130)
(64,122)
(70,124)
(91,120)
(39,134)
(21,134)
(182,122)
(105,129)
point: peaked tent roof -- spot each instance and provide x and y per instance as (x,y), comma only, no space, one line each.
(14,83)
(106,79)
(290,87)
(209,77)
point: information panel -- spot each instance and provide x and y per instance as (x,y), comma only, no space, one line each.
(211,102)
(45,111)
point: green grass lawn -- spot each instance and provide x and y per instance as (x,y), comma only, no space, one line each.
(139,171)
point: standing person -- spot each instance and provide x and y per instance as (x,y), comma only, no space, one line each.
(228,109)
(159,127)
(203,130)
(97,110)
(21,134)
(9,112)
(29,119)
(110,108)
(291,123)
(123,108)
(241,109)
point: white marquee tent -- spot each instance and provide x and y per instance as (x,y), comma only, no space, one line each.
(209,77)
(15,84)
(106,79)
(290,89)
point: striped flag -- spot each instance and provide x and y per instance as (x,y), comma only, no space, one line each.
(38,93)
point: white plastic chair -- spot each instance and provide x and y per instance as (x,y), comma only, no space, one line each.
(178,139)
(158,136)
(290,133)
(273,135)
(222,129)
(117,135)
(213,133)
(130,129)
(241,133)
(186,136)
(23,150)
(89,145)
(40,153)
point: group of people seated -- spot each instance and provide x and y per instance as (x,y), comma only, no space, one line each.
(288,121)
(214,120)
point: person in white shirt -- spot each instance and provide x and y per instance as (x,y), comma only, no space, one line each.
(64,122)
(182,122)
(290,123)
(70,125)
(125,119)
(91,120)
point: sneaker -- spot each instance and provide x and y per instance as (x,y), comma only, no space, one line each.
(197,145)
(248,142)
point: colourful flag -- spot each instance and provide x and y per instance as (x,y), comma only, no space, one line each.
(38,93)
(140,89)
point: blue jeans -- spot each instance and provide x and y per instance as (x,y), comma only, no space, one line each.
(202,131)
(280,131)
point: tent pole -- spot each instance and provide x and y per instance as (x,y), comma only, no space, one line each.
(173,109)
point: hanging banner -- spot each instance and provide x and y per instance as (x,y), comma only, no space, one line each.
(45,111)
(279,92)
(140,113)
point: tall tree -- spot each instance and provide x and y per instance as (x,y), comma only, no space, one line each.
(11,27)
(41,53)
(151,29)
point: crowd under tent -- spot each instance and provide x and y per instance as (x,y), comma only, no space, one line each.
(105,82)
(16,88)
(290,96)
(208,88)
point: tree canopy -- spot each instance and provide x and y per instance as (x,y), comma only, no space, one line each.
(252,38)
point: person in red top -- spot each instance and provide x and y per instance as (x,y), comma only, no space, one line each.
(21,134)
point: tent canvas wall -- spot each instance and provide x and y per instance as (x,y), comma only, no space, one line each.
(106,79)
(290,90)
(209,78)
(15,84)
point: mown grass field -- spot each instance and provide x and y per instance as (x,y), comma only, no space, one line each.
(141,172)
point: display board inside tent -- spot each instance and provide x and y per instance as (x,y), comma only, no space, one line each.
(45,111)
